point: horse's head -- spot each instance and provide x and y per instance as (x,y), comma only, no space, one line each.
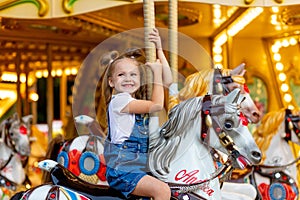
(224,128)
(226,81)
(15,134)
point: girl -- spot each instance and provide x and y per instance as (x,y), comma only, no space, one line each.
(126,146)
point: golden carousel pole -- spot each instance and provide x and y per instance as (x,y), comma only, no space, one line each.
(149,24)
(173,39)
(50,103)
(26,104)
(173,52)
(18,70)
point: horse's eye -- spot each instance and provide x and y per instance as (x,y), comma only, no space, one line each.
(228,124)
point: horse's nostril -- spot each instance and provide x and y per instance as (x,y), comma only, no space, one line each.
(256,154)
(256,114)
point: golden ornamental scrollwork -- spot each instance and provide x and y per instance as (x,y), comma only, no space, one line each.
(67,5)
(42,5)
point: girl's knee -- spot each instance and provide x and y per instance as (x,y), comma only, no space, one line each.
(165,192)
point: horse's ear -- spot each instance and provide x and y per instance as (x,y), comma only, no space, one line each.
(15,117)
(28,119)
(239,70)
(233,96)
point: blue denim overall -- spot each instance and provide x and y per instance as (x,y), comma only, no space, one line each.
(127,162)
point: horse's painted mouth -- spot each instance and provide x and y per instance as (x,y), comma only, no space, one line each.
(242,162)
(24,158)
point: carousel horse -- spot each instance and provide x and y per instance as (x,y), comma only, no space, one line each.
(220,81)
(14,152)
(180,153)
(217,81)
(276,178)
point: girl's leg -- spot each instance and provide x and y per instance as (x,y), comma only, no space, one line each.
(149,186)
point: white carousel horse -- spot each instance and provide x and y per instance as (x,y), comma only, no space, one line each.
(278,178)
(180,154)
(14,151)
(177,157)
(217,81)
(221,81)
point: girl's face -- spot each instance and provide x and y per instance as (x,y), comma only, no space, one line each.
(125,76)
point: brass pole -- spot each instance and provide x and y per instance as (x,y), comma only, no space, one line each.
(18,70)
(50,104)
(149,24)
(26,103)
(173,38)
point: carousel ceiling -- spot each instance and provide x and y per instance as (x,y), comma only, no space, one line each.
(69,39)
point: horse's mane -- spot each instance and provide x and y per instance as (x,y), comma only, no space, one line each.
(270,124)
(195,85)
(163,146)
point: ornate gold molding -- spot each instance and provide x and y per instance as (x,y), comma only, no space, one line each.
(42,5)
(248,2)
(67,5)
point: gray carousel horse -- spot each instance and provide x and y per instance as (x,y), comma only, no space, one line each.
(14,152)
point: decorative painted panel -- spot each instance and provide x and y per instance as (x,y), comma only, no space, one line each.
(62,8)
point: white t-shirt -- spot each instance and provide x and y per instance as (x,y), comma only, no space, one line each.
(120,124)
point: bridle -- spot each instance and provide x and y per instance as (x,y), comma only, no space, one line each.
(291,124)
(220,82)
(210,113)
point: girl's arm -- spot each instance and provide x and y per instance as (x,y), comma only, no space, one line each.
(157,99)
(166,74)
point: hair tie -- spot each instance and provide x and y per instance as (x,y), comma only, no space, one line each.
(111,61)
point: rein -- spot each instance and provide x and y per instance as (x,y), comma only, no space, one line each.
(7,139)
(7,162)
(280,166)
